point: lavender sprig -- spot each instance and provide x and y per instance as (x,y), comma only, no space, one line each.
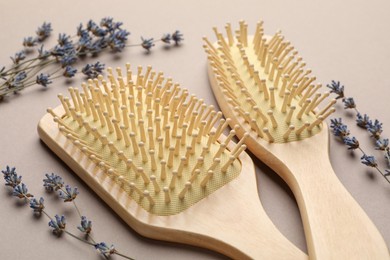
(339,129)
(374,127)
(57,223)
(90,40)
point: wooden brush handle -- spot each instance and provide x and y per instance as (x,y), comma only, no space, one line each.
(336,227)
(239,230)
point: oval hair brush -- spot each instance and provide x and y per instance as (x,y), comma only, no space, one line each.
(262,84)
(158,157)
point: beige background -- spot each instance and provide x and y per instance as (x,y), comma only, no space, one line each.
(344,40)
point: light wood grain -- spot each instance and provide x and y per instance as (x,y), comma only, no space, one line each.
(335,225)
(230,221)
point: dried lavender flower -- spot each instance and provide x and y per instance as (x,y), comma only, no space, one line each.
(382,144)
(19,78)
(93,70)
(177,37)
(29,41)
(13,180)
(85,225)
(338,128)
(363,121)
(69,72)
(352,143)
(387,156)
(369,160)
(58,224)
(337,89)
(36,205)
(104,249)
(69,57)
(43,79)
(53,182)
(117,40)
(11,177)
(19,56)
(335,122)
(69,194)
(147,44)
(166,38)
(21,191)
(375,129)
(44,31)
(43,54)
(349,103)
(64,39)
(8,171)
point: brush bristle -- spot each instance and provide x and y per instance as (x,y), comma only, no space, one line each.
(149,135)
(267,84)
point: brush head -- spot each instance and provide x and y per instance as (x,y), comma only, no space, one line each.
(149,136)
(267,84)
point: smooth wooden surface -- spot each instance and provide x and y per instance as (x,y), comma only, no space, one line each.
(230,221)
(335,225)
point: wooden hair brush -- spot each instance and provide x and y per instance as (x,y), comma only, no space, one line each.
(262,84)
(158,157)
